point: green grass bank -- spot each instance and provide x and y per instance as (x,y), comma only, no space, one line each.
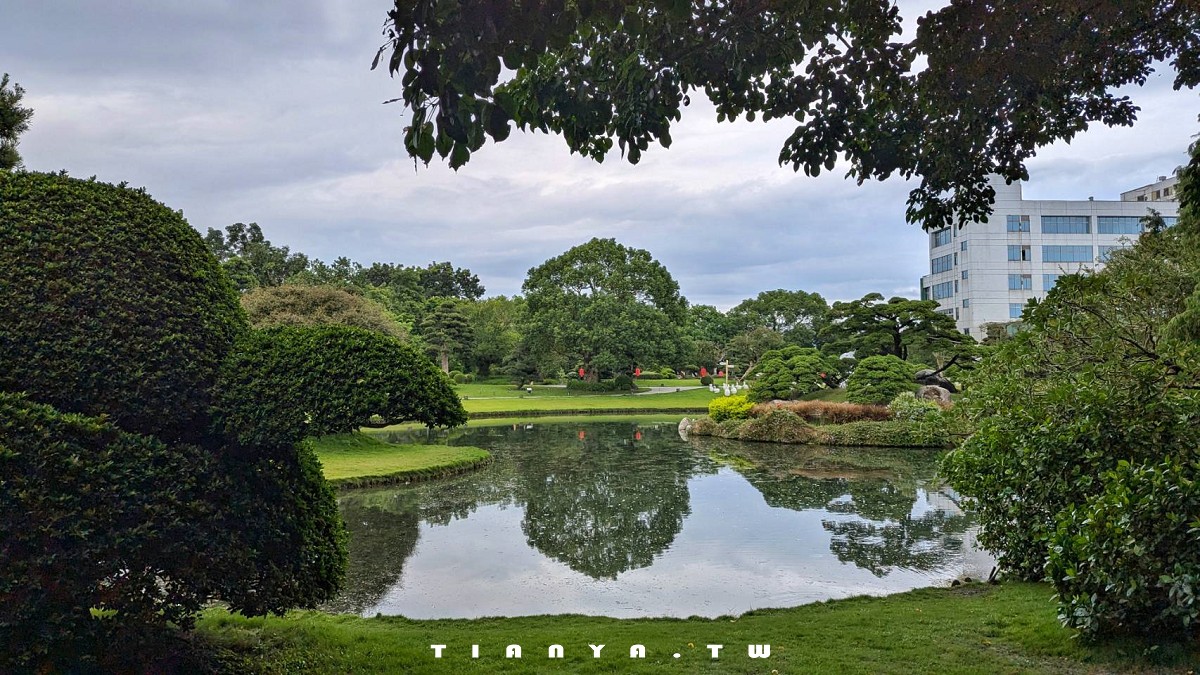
(361,460)
(1010,628)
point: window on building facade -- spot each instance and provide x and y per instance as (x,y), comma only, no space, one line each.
(1106,252)
(1066,224)
(1020,282)
(1014,309)
(1118,224)
(964,274)
(966,302)
(964,246)
(1018,223)
(941,264)
(1049,280)
(1019,252)
(1170,221)
(1067,254)
(942,290)
(941,237)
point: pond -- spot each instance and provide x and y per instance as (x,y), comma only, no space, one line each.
(628,520)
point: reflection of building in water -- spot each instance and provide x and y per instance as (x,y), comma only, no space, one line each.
(977,563)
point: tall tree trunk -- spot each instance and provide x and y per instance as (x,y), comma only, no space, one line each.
(445,356)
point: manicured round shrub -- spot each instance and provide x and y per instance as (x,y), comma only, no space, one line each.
(729,408)
(706,380)
(778,426)
(112,305)
(879,379)
(285,383)
(622,382)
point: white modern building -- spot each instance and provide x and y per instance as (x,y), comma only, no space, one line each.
(985,272)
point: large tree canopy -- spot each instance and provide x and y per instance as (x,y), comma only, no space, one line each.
(604,306)
(977,90)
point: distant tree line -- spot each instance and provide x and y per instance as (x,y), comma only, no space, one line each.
(597,311)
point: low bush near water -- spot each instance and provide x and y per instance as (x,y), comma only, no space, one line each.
(779,426)
(729,408)
(826,412)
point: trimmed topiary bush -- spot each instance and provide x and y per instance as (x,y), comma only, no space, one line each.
(285,383)
(295,305)
(112,305)
(879,379)
(729,408)
(706,380)
(623,382)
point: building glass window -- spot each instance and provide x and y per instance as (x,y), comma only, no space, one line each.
(941,237)
(942,290)
(1106,252)
(964,274)
(1020,282)
(1067,254)
(966,302)
(964,246)
(1118,225)
(1049,280)
(1170,221)
(1066,224)
(1018,223)
(1019,252)
(941,264)
(1014,309)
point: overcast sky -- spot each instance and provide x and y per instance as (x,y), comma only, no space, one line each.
(269,112)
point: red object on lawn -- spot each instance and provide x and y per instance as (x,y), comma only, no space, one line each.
(637,371)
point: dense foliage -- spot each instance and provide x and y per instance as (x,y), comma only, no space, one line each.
(284,383)
(1084,463)
(879,379)
(111,305)
(735,407)
(791,373)
(605,307)
(294,305)
(115,492)
(975,90)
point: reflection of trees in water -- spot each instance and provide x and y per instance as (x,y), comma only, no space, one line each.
(606,504)
(601,504)
(872,489)
(383,534)
(924,543)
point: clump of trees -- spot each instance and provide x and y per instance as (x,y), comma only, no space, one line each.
(133,484)
(1085,461)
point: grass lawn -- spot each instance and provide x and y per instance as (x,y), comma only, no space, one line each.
(1009,628)
(692,399)
(353,460)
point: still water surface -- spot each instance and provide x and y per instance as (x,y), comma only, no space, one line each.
(628,520)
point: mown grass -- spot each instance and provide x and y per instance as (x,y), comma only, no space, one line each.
(975,628)
(356,460)
(689,400)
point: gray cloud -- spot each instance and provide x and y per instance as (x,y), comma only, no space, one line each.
(268,112)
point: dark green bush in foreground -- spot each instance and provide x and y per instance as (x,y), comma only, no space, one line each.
(284,383)
(111,305)
(116,493)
